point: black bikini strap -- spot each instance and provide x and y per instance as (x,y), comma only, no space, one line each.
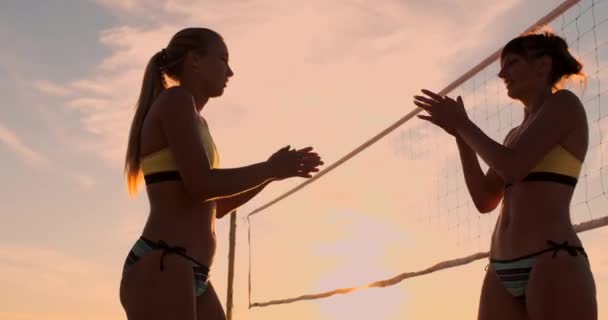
(572,250)
(167,249)
(553,246)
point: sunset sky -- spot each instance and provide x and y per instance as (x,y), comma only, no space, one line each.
(330,74)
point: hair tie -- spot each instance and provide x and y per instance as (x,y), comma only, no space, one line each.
(164,58)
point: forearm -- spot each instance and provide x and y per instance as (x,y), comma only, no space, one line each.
(474,176)
(227,205)
(224,183)
(497,156)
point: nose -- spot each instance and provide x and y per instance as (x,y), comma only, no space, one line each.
(230,72)
(502,73)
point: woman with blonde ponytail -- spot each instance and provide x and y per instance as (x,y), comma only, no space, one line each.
(166,273)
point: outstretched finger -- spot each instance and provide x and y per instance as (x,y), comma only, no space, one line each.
(303,174)
(312,159)
(459,100)
(310,156)
(428,118)
(304,150)
(450,99)
(432,95)
(425,100)
(424,106)
(310,164)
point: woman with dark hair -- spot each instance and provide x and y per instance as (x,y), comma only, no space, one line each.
(538,268)
(166,274)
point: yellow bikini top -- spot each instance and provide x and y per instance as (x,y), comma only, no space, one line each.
(160,165)
(559,165)
(561,161)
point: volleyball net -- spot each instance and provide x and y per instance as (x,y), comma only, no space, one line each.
(360,222)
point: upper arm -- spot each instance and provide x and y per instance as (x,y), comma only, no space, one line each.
(556,120)
(179,120)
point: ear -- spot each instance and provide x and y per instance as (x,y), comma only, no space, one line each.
(544,64)
(193,59)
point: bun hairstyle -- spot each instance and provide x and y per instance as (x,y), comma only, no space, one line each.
(564,65)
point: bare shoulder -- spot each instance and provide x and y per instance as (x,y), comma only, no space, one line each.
(567,103)
(164,115)
(174,102)
(566,94)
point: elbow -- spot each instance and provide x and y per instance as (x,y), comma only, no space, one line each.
(486,204)
(484,208)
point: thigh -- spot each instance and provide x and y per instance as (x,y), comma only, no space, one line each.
(147,293)
(208,305)
(561,287)
(496,303)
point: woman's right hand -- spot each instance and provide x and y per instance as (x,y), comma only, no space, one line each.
(288,163)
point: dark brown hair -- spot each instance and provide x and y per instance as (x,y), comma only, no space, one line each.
(532,46)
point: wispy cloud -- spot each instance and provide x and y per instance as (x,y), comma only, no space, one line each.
(324,62)
(15,144)
(187,12)
(330,73)
(51,88)
(83,86)
(92,87)
(37,159)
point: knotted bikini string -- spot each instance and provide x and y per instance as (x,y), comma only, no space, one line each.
(572,250)
(167,249)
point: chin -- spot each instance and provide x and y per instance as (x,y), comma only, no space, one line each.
(513,94)
(219,93)
(216,93)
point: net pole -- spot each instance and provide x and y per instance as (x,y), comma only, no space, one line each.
(231,255)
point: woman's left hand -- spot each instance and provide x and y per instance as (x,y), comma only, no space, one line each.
(445,112)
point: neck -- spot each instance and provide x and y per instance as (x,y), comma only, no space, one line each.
(200,99)
(534,101)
